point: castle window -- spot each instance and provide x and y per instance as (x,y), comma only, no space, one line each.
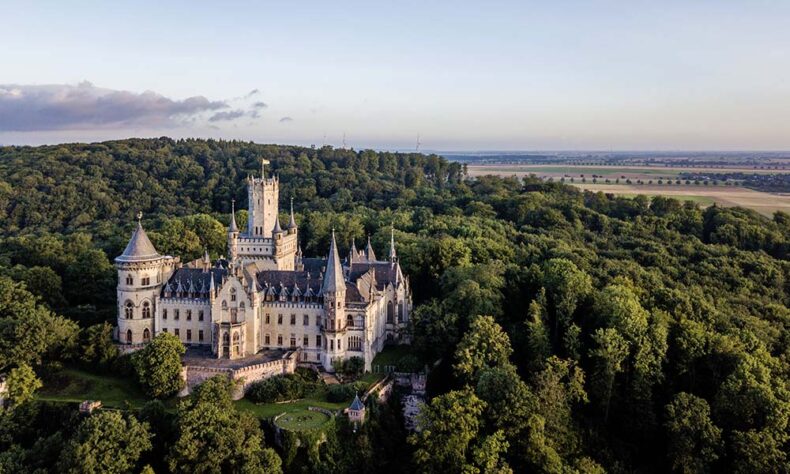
(146,281)
(339,341)
(189,315)
(267,318)
(129,336)
(164,314)
(293,341)
(293,320)
(317,321)
(279,319)
(241,305)
(200,335)
(331,344)
(189,335)
(129,310)
(176,314)
(200,315)
(305,341)
(266,339)
(233,294)
(224,304)
(355,343)
(146,335)
(129,280)
(318,341)
(305,320)
(164,329)
(350,321)
(177,332)
(390,311)
(146,310)
(400,311)
(279,339)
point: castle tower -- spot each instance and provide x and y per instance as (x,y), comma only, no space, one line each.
(333,289)
(141,273)
(263,195)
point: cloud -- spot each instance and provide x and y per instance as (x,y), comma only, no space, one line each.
(252,93)
(286,119)
(260,105)
(84,106)
(227,116)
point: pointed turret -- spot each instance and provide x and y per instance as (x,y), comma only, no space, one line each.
(233,227)
(292,223)
(370,255)
(352,252)
(277,229)
(333,277)
(393,255)
(139,248)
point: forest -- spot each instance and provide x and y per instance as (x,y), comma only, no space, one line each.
(565,331)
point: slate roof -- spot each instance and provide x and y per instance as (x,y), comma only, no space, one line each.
(385,272)
(273,280)
(139,248)
(357,404)
(333,278)
(193,278)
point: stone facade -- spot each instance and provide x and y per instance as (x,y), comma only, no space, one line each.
(265,295)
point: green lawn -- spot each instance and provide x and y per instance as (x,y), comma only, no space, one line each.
(391,355)
(75,385)
(269,410)
(302,420)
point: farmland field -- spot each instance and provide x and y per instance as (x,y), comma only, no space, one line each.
(627,172)
(727,196)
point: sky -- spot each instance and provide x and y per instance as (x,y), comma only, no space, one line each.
(465,76)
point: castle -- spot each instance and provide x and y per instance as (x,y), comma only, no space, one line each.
(265,295)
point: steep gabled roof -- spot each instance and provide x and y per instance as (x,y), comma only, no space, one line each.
(357,404)
(139,248)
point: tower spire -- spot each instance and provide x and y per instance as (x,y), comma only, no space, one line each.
(333,278)
(369,253)
(292,224)
(233,227)
(393,255)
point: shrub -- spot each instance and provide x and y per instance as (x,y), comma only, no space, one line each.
(279,388)
(343,392)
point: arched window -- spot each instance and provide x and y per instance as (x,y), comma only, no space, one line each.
(390,311)
(129,310)
(400,311)
(146,335)
(226,338)
(146,310)
(224,304)
(129,279)
(241,305)
(350,321)
(235,338)
(233,294)
(129,336)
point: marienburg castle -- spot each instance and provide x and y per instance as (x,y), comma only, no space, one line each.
(265,295)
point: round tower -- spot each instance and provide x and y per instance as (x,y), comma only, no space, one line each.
(333,289)
(141,271)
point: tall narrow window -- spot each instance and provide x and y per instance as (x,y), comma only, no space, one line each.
(293,319)
(189,335)
(129,336)
(129,280)
(129,310)
(200,335)
(350,321)
(200,315)
(146,310)
(306,341)
(164,314)
(189,315)
(146,335)
(305,320)
(176,314)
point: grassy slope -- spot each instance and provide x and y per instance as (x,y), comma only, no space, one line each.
(75,385)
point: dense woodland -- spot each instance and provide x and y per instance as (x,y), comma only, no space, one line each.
(564,331)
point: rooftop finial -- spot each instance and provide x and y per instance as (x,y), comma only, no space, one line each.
(392,244)
(233,227)
(139,216)
(292,223)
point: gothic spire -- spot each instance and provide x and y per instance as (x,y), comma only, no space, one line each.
(233,227)
(352,252)
(333,277)
(369,253)
(292,224)
(393,255)
(277,229)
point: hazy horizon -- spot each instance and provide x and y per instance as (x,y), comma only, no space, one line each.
(508,76)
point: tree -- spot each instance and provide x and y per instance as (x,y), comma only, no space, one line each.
(538,344)
(609,353)
(447,426)
(106,442)
(694,441)
(484,345)
(213,437)
(21,384)
(566,286)
(509,401)
(97,345)
(158,366)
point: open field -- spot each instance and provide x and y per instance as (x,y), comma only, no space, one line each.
(303,420)
(627,172)
(727,196)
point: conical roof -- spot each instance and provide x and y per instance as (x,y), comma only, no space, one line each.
(277,229)
(233,227)
(357,404)
(139,248)
(292,224)
(333,277)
